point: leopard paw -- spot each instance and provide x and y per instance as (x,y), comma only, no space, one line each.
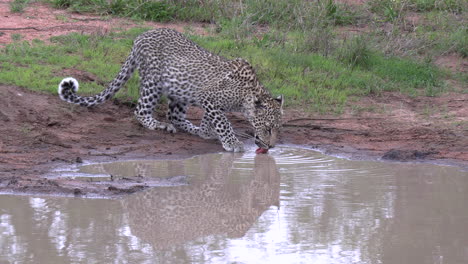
(236,146)
(169,128)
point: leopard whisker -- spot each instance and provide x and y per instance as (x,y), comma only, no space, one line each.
(263,144)
(249,136)
(243,135)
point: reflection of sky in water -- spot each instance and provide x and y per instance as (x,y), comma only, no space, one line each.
(297,231)
(331,211)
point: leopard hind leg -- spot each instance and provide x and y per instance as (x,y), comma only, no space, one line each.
(177,116)
(150,94)
(207,130)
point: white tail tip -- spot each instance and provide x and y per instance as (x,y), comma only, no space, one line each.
(68,82)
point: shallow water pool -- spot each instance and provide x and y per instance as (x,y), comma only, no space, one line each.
(291,206)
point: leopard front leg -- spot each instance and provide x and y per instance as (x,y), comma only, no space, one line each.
(224,130)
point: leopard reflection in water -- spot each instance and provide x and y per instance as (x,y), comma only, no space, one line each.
(220,204)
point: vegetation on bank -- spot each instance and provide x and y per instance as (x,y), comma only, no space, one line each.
(298,48)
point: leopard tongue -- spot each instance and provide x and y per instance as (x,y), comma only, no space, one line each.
(261,151)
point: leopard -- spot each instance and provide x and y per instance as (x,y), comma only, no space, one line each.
(172,66)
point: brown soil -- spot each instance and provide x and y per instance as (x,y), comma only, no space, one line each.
(452,62)
(39,132)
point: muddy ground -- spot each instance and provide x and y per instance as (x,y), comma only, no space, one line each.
(39,132)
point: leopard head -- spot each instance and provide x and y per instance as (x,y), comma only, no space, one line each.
(263,111)
(266,120)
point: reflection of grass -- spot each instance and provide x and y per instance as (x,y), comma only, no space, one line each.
(310,80)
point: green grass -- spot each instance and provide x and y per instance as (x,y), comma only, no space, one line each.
(386,7)
(355,52)
(161,11)
(459,38)
(38,66)
(18,6)
(428,5)
(310,80)
(293,13)
(295,46)
(16,37)
(139,9)
(418,28)
(316,21)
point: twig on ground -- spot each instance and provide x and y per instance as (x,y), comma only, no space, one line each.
(21,28)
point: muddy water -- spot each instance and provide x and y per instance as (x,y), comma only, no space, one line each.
(292,206)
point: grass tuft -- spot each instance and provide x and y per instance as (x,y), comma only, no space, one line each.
(356,52)
(459,39)
(160,11)
(18,6)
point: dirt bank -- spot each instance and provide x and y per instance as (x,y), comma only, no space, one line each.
(39,132)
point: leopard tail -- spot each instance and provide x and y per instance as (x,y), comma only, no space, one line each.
(69,86)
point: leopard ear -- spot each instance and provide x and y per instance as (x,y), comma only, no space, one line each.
(280,100)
